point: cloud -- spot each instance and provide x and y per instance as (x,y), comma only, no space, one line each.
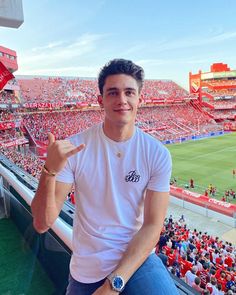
(57,54)
(194,41)
(73,71)
(48,46)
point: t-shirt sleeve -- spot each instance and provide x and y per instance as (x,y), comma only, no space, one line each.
(66,174)
(161,171)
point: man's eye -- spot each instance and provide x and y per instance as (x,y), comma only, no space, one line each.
(130,93)
(113,93)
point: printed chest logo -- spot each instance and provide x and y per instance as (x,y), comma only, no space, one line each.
(132,177)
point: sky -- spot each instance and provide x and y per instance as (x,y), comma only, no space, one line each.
(167,38)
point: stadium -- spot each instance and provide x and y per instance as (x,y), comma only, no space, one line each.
(197,126)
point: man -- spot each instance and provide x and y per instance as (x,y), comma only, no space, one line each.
(191,183)
(191,275)
(204,276)
(121,175)
(196,285)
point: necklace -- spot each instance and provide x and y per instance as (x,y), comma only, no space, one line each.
(118,150)
(119,154)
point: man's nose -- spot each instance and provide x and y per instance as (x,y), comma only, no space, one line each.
(122,98)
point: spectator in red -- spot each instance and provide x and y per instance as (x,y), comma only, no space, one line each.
(223,199)
(229,260)
(204,276)
(222,280)
(172,258)
(185,265)
(219,259)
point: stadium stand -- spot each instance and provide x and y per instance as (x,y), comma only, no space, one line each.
(83,90)
(203,261)
(216,90)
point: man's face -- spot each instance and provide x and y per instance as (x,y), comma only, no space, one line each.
(120,99)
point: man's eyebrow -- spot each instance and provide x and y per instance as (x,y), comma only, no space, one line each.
(115,88)
(111,89)
(131,88)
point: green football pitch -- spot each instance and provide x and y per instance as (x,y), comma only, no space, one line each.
(206,161)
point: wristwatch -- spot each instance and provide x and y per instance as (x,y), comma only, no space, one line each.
(117,282)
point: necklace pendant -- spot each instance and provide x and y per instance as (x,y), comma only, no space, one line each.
(119,154)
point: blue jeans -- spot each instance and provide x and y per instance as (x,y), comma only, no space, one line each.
(151,278)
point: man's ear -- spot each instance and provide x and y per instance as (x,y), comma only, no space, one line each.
(141,100)
(100,100)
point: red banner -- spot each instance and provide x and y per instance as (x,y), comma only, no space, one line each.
(43,105)
(5,75)
(204,201)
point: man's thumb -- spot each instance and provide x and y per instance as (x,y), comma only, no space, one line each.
(51,138)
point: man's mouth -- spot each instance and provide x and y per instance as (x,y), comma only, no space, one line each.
(122,110)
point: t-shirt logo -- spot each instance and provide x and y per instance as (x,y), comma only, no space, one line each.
(132,177)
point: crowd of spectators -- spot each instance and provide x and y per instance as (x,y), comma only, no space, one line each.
(6,116)
(61,124)
(220,82)
(222,114)
(220,93)
(58,89)
(166,122)
(163,89)
(204,262)
(223,94)
(7,97)
(9,135)
(176,121)
(86,90)
(223,104)
(25,159)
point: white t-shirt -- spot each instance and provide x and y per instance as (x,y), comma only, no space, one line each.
(110,180)
(190,277)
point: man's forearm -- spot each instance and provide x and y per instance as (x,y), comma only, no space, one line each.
(145,240)
(44,207)
(138,250)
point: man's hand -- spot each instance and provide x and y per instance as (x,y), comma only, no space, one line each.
(105,289)
(58,152)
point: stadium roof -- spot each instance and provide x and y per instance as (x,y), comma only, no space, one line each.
(11,13)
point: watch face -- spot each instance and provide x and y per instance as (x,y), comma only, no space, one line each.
(118,283)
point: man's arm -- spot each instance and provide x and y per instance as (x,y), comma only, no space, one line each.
(50,195)
(155,207)
(48,201)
